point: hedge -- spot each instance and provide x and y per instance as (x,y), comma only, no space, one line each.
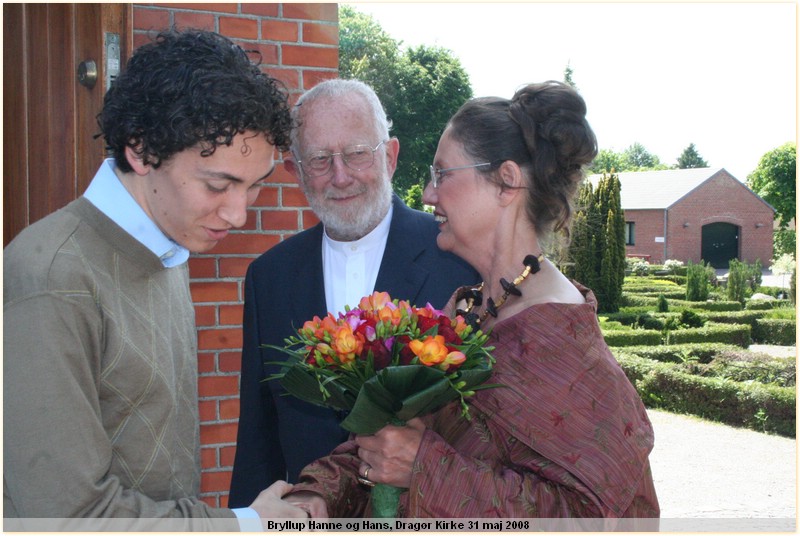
(632,337)
(738,334)
(778,331)
(632,299)
(703,352)
(753,405)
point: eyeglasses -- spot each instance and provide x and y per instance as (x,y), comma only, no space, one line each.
(356,157)
(438,174)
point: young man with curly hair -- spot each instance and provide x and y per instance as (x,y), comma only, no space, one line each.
(100,373)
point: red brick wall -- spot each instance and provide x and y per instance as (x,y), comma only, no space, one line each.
(722,198)
(648,224)
(299,46)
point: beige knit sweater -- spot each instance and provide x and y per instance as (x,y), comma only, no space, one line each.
(99,376)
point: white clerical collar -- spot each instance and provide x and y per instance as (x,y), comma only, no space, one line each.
(373,239)
(109,195)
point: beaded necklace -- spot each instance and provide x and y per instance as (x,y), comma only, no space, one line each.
(474,295)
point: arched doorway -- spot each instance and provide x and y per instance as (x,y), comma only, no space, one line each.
(720,244)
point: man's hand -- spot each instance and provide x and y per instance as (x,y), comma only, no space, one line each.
(269,504)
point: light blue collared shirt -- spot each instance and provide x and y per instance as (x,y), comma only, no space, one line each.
(108,194)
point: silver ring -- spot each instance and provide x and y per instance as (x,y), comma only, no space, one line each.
(364,479)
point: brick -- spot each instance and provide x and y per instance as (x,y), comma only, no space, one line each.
(202,267)
(293,197)
(311,56)
(279,220)
(268,54)
(322,11)
(309,219)
(150,19)
(219,339)
(220,8)
(206,363)
(226,456)
(230,361)
(230,315)
(140,38)
(212,434)
(282,176)
(260,9)
(216,481)
(218,386)
(290,78)
(324,34)
(243,244)
(311,77)
(208,410)
(205,315)
(208,458)
(279,30)
(192,19)
(217,291)
(229,409)
(211,501)
(267,196)
(234,266)
(238,27)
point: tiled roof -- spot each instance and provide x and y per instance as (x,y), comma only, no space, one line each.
(657,189)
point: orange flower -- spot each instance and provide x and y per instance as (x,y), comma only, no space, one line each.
(460,326)
(431,351)
(377,301)
(453,359)
(346,344)
(389,315)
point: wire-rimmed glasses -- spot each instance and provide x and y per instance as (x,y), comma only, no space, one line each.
(356,157)
(438,174)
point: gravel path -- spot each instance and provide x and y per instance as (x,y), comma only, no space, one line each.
(704,469)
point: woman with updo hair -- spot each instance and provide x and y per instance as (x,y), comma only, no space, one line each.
(567,435)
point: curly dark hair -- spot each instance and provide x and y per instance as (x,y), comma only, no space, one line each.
(543,128)
(190,88)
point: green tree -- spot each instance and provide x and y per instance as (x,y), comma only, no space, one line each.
(568,76)
(597,250)
(690,158)
(413,197)
(697,281)
(737,287)
(607,161)
(775,180)
(637,158)
(420,88)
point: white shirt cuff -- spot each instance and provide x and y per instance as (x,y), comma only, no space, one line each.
(248,520)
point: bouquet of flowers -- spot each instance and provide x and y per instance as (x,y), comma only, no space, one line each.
(385,362)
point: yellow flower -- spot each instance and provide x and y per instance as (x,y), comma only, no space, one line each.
(431,351)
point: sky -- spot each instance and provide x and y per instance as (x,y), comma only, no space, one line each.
(720,75)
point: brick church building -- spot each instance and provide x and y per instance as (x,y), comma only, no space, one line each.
(692,215)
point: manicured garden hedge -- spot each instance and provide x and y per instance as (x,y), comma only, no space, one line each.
(778,331)
(753,405)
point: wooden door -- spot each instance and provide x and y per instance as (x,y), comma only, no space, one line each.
(50,152)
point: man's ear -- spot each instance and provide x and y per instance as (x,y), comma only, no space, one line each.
(290,165)
(392,152)
(136,161)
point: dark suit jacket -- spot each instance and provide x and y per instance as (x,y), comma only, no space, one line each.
(284,287)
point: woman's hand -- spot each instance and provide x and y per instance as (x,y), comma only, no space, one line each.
(269,504)
(309,501)
(388,456)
